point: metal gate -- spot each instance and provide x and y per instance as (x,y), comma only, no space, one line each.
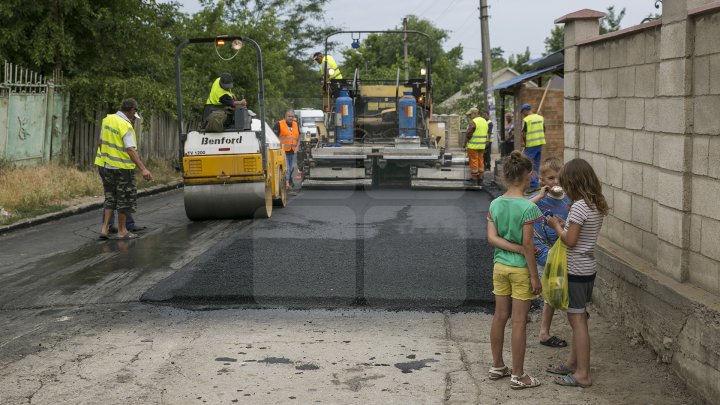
(33,117)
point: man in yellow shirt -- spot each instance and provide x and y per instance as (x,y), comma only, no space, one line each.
(328,62)
(221,94)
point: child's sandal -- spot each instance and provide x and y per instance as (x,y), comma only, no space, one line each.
(496,373)
(516,384)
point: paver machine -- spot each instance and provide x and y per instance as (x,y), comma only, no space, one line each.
(380,133)
(238,170)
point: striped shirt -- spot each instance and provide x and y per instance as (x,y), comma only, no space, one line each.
(581,257)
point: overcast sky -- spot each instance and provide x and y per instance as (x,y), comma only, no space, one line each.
(514,24)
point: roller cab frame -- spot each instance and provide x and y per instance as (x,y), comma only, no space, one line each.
(238,172)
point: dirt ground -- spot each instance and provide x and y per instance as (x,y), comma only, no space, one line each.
(624,369)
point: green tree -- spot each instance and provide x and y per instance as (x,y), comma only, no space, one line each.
(611,22)
(556,40)
(517,61)
(104,53)
(381,55)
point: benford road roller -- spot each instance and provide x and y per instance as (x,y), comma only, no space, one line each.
(236,170)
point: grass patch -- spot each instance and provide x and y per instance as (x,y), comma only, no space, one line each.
(28,191)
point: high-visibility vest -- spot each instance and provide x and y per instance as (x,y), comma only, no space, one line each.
(288,138)
(216,91)
(535,135)
(112,150)
(479,136)
(331,65)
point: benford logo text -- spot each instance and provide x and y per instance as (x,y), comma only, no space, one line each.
(221,141)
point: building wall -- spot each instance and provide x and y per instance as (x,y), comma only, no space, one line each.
(641,106)
(553,114)
(443,125)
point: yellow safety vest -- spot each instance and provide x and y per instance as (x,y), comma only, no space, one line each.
(479,136)
(216,92)
(535,135)
(112,150)
(331,65)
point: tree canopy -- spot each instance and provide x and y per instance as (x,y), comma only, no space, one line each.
(107,53)
(108,50)
(611,22)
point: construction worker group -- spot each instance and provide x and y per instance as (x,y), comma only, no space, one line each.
(478,137)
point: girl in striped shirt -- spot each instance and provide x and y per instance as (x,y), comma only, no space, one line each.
(579,233)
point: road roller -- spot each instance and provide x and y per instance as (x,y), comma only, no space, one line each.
(237,170)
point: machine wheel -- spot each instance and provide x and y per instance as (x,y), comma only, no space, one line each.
(281,201)
(266,210)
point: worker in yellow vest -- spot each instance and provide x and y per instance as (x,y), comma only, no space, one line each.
(475,142)
(533,138)
(289,134)
(328,62)
(118,156)
(221,94)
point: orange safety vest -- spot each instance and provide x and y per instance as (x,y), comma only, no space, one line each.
(289,137)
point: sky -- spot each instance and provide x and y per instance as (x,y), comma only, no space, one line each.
(514,24)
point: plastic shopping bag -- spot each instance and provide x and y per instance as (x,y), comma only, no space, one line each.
(555,277)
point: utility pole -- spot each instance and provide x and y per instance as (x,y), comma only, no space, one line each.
(407,73)
(487,63)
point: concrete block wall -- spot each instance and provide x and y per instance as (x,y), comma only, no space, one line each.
(617,95)
(641,105)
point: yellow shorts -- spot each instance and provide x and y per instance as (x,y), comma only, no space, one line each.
(512,281)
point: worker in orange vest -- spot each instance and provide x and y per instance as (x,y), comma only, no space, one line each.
(289,134)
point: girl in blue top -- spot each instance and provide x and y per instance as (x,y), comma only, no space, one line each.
(515,279)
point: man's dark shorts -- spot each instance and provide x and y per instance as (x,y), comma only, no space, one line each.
(120,189)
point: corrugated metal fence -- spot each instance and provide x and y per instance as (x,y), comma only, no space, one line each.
(35,126)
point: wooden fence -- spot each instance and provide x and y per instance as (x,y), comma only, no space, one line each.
(157,138)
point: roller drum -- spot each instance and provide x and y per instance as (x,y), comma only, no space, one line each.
(225,201)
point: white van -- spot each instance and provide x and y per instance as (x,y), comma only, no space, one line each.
(307,118)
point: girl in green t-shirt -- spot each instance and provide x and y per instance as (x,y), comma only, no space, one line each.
(515,279)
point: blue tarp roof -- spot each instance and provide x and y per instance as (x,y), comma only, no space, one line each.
(524,77)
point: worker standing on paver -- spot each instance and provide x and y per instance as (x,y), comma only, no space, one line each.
(533,138)
(327,62)
(475,142)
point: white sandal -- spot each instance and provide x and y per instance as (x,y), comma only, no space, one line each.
(496,373)
(516,384)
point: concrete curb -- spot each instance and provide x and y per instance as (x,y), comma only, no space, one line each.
(80,208)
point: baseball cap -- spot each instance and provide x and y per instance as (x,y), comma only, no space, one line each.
(226,81)
(472,110)
(525,106)
(128,104)
(316,54)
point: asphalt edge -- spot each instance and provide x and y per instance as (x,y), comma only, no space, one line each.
(80,208)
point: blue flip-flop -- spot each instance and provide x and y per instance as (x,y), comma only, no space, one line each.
(568,380)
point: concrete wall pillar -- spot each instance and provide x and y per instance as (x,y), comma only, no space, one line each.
(579,26)
(674,91)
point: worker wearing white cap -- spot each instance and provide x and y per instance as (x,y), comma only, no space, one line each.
(475,142)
